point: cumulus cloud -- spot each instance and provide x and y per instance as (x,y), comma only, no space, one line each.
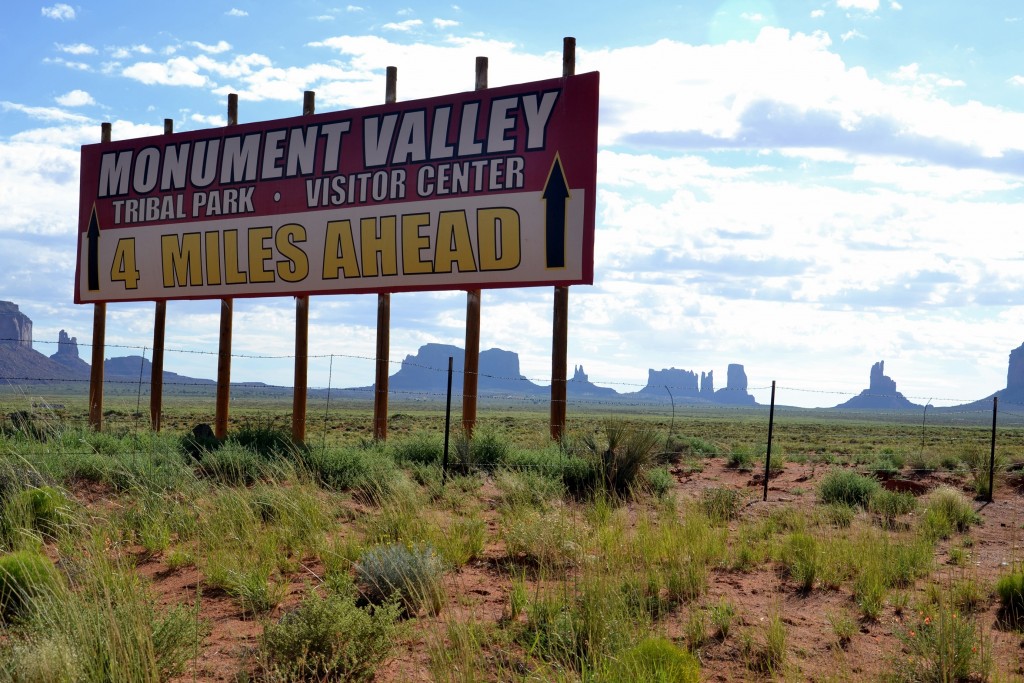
(817,14)
(75,98)
(175,71)
(43,113)
(864,5)
(77,49)
(851,34)
(221,46)
(445,23)
(212,120)
(60,12)
(354,8)
(235,12)
(407,25)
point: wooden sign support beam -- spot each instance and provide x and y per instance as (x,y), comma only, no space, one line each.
(383,355)
(560,316)
(301,382)
(220,424)
(471,364)
(99,337)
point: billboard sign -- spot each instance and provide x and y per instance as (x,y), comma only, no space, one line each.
(489,188)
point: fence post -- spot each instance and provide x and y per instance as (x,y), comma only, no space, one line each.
(768,455)
(447,424)
(992,454)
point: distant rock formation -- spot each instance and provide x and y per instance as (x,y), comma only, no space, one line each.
(735,392)
(1015,371)
(579,385)
(67,354)
(15,326)
(881,394)
(689,387)
(427,372)
(707,384)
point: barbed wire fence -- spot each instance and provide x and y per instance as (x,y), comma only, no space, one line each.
(912,434)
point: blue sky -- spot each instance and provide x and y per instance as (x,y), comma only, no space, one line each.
(800,187)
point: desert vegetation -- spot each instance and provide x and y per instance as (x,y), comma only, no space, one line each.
(626,552)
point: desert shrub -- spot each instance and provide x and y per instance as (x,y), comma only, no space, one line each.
(741,457)
(889,505)
(329,639)
(1010,589)
(948,509)
(839,515)
(410,574)
(979,464)
(424,449)
(847,487)
(622,454)
(549,538)
(659,481)
(44,509)
(942,645)
(232,464)
(654,659)
(581,476)
(801,558)
(24,574)
(269,442)
(350,468)
(488,448)
(721,504)
(527,488)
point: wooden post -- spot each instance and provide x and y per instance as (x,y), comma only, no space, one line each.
(301,382)
(992,453)
(99,336)
(220,426)
(383,355)
(560,315)
(471,364)
(156,379)
(768,452)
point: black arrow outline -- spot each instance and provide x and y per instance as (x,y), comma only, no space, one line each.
(93,263)
(556,196)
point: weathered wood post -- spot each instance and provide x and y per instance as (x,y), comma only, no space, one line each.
(220,426)
(471,363)
(99,337)
(383,355)
(156,380)
(560,314)
(301,382)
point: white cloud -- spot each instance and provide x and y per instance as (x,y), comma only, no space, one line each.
(406,12)
(755,17)
(406,25)
(77,49)
(445,23)
(235,12)
(212,120)
(895,6)
(221,46)
(324,17)
(77,66)
(123,52)
(60,12)
(817,14)
(75,98)
(43,113)
(175,71)
(1017,80)
(851,34)
(865,5)
(354,8)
